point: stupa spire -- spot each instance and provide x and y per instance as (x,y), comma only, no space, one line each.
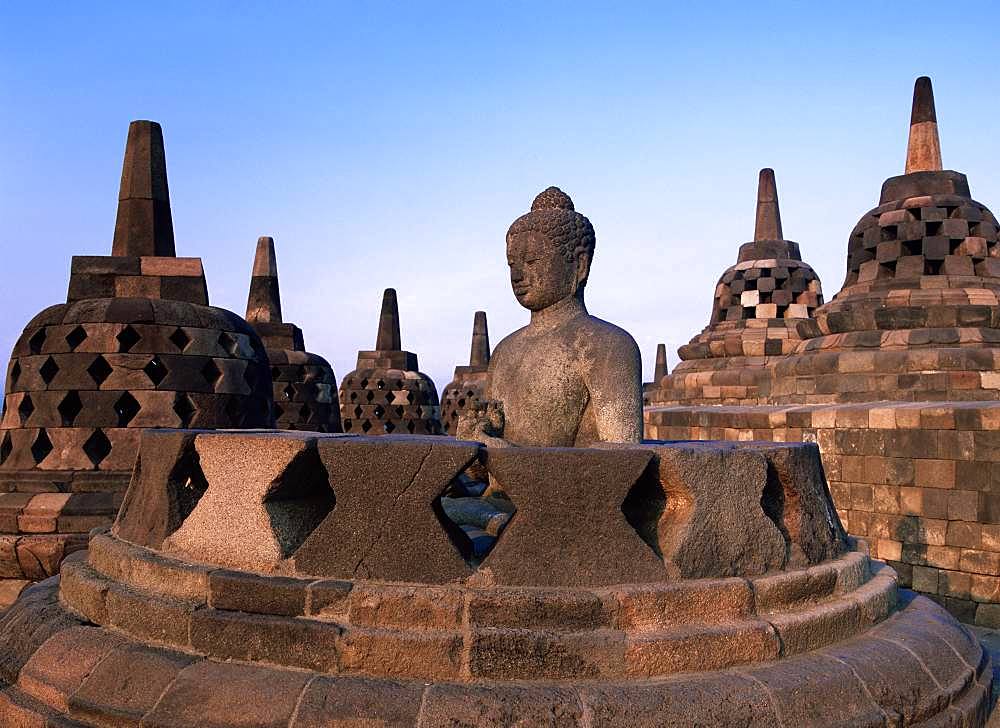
(264,302)
(144,226)
(768,225)
(388,323)
(480,354)
(661,363)
(923,152)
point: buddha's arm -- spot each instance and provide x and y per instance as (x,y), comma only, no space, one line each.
(615,386)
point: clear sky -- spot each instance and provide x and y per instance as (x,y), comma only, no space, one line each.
(393,144)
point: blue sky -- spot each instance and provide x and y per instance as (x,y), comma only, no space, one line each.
(392,145)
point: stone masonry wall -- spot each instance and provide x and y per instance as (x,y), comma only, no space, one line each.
(920,481)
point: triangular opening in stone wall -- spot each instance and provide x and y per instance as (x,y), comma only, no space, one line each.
(299,500)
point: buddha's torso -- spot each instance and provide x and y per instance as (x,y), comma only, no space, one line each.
(540,376)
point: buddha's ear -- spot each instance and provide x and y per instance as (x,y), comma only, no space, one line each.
(582,268)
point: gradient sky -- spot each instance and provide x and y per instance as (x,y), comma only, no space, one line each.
(393,144)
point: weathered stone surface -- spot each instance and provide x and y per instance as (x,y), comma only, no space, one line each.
(194,700)
(347,701)
(126,684)
(713,523)
(390,532)
(265,494)
(567,378)
(569,526)
(501,705)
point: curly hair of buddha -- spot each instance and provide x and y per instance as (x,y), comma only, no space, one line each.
(554,216)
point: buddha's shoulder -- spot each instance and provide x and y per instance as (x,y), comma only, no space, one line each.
(510,342)
(602,330)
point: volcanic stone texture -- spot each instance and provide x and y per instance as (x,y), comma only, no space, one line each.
(465,392)
(135,346)
(821,638)
(920,482)
(305,388)
(386,394)
(758,307)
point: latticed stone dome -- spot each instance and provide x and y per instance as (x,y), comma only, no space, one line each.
(305,388)
(918,317)
(757,309)
(134,346)
(385,394)
(465,392)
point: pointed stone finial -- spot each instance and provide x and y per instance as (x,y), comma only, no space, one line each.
(264,302)
(388,323)
(480,355)
(768,225)
(923,152)
(661,363)
(144,225)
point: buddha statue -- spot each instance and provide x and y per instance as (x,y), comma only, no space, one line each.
(567,378)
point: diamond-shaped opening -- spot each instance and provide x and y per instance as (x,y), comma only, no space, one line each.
(370,395)
(410,426)
(25,409)
(69,408)
(41,446)
(228,343)
(184,408)
(380,384)
(36,341)
(288,392)
(99,370)
(156,370)
(76,337)
(211,372)
(348,424)
(298,500)
(474,513)
(127,407)
(644,505)
(49,370)
(127,338)
(304,413)
(365,426)
(97,447)
(389,427)
(379,411)
(5,448)
(180,339)
(15,372)
(187,484)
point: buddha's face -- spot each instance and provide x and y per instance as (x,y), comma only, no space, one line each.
(539,273)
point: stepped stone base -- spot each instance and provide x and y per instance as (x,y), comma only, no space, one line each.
(45,516)
(211,647)
(919,480)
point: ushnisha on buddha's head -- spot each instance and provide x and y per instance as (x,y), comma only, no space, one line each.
(549,251)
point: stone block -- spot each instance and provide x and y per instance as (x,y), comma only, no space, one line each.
(540,608)
(246,592)
(387,605)
(360,701)
(207,693)
(510,654)
(126,685)
(51,678)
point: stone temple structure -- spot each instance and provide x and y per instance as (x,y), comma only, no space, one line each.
(314,580)
(757,309)
(386,393)
(465,392)
(897,382)
(305,388)
(135,345)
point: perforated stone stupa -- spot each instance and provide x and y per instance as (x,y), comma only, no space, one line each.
(918,317)
(465,392)
(305,388)
(897,382)
(758,306)
(386,393)
(136,345)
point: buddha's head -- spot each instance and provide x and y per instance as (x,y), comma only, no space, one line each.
(549,251)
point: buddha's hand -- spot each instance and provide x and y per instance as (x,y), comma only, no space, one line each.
(483,423)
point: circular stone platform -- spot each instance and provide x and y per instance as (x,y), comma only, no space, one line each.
(669,595)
